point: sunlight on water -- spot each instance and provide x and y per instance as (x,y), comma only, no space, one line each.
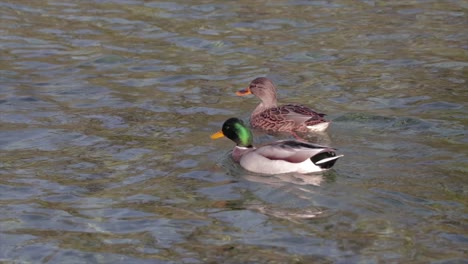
(106,108)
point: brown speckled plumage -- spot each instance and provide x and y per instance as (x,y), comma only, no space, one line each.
(285,118)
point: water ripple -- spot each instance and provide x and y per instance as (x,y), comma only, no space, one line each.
(106,108)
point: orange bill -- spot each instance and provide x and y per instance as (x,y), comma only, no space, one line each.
(244,92)
(216,135)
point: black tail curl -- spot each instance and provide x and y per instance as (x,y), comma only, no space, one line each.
(324,155)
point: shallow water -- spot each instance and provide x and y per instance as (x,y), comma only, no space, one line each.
(106,108)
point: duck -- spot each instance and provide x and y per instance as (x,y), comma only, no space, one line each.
(284,118)
(284,156)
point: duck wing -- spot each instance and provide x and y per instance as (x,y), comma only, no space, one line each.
(303,110)
(303,115)
(298,114)
(292,151)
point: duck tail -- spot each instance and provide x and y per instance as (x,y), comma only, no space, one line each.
(325,160)
(319,127)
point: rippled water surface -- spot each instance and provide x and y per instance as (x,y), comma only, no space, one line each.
(106,108)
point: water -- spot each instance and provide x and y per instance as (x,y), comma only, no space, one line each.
(107,107)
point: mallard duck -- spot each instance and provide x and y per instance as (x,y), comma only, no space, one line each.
(277,157)
(285,118)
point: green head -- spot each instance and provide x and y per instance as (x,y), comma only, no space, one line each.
(237,131)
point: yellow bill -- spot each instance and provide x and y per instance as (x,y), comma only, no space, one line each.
(218,134)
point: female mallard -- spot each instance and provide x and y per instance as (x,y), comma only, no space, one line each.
(284,118)
(277,157)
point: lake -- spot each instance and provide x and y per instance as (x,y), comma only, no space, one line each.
(106,108)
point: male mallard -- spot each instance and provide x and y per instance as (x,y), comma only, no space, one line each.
(284,118)
(276,157)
